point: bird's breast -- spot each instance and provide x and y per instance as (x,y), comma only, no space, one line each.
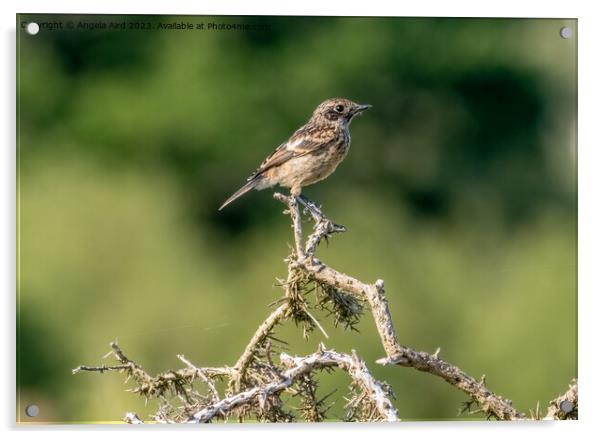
(313,167)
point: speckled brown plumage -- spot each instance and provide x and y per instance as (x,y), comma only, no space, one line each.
(311,154)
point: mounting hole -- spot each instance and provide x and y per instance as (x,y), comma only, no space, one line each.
(32,410)
(566,32)
(567,406)
(32,28)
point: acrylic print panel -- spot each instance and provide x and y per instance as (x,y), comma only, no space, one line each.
(457,257)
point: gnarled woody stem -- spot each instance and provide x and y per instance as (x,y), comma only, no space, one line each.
(297,367)
(260,335)
(396,353)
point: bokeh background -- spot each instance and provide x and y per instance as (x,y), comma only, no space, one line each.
(459,191)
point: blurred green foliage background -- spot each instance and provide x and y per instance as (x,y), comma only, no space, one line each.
(459,191)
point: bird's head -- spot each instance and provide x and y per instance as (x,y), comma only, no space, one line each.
(338,110)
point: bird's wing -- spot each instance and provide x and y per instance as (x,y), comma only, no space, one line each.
(300,144)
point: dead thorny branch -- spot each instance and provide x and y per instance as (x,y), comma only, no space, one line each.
(300,367)
(256,384)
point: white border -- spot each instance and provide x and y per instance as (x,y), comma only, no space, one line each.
(590,218)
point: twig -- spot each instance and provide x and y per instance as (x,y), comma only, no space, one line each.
(100,369)
(259,337)
(293,211)
(298,367)
(202,376)
(149,385)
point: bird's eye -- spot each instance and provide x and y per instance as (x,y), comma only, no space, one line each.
(339,108)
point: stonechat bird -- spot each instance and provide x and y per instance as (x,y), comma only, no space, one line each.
(311,154)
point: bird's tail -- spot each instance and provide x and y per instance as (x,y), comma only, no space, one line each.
(251,184)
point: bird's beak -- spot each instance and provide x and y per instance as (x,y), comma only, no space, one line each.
(361,108)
